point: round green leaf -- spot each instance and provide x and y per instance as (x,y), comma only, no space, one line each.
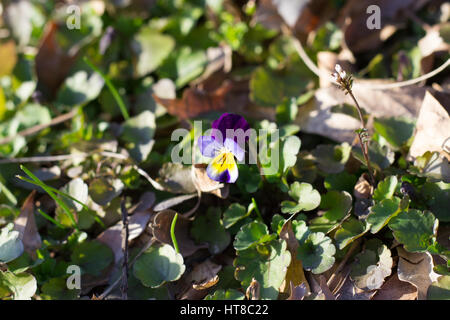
(158,265)
(414,229)
(11,246)
(316,253)
(92,257)
(268,268)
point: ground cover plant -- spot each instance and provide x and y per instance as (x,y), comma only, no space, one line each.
(122,176)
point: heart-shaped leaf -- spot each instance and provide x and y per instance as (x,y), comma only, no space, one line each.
(386,188)
(382,212)
(252,234)
(157,265)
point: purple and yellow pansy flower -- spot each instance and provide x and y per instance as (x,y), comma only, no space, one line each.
(223,147)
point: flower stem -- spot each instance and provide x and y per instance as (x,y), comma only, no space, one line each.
(363,143)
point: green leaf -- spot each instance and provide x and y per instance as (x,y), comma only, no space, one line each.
(230,294)
(268,265)
(158,265)
(233,214)
(80,88)
(11,245)
(103,190)
(414,229)
(92,257)
(396,130)
(252,234)
(440,289)
(316,252)
(268,88)
(342,181)
(56,289)
(287,110)
(291,147)
(77,189)
(209,228)
(337,204)
(249,178)
(437,196)
(138,132)
(382,212)
(22,286)
(151,48)
(332,158)
(386,188)
(307,198)
(183,65)
(350,230)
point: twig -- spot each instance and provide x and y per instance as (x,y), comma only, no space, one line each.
(115,283)
(125,235)
(358,84)
(40,127)
(344,261)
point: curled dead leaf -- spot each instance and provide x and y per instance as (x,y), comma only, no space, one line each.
(363,189)
(25,224)
(417,269)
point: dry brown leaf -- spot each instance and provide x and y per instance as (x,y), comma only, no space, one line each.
(253,290)
(394,289)
(206,184)
(195,285)
(298,292)
(204,275)
(52,63)
(325,289)
(432,127)
(196,101)
(112,236)
(348,291)
(353,19)
(25,224)
(294,275)
(161,231)
(316,116)
(417,269)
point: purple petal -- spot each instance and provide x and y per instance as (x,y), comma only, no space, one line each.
(235,149)
(230,121)
(209,146)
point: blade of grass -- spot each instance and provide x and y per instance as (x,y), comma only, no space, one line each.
(172,233)
(46,216)
(46,188)
(89,211)
(111,88)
